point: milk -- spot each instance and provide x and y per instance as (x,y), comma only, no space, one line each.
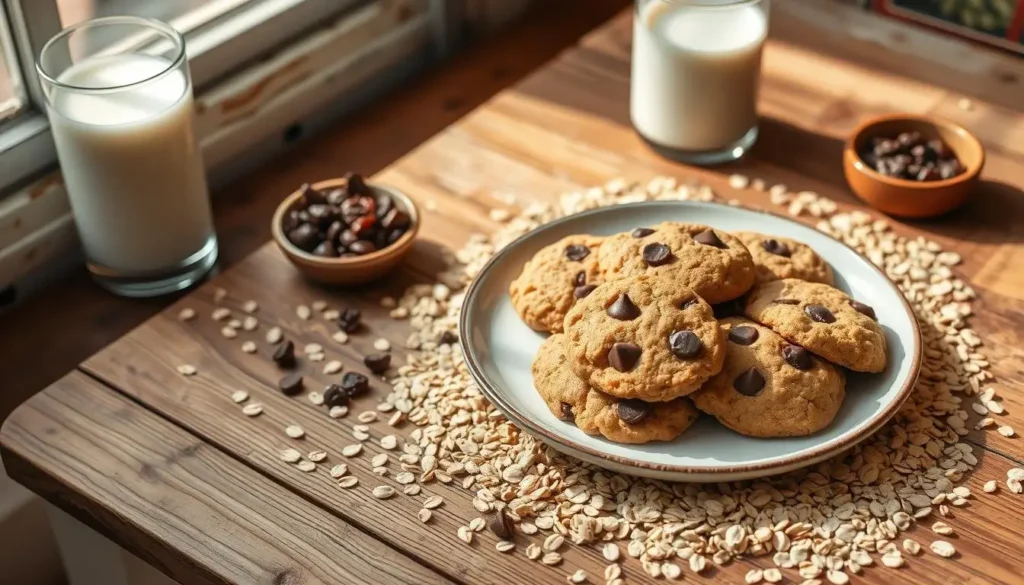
(131,164)
(695,75)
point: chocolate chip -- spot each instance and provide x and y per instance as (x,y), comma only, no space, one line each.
(354,384)
(709,238)
(623,356)
(361,247)
(624,309)
(325,249)
(501,525)
(775,247)
(749,383)
(641,232)
(797,357)
(576,252)
(305,237)
(396,218)
(347,238)
(284,355)
(633,411)
(310,195)
(449,337)
(581,278)
(336,196)
(785,302)
(384,204)
(322,214)
(350,319)
(567,412)
(863,309)
(743,335)
(819,314)
(657,254)
(333,231)
(582,291)
(335,395)
(684,344)
(356,184)
(291,384)
(378,363)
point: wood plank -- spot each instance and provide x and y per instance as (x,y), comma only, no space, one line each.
(174,501)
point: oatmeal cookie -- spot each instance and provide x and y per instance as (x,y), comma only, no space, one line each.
(554,279)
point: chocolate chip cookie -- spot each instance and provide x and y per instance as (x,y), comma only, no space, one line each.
(621,420)
(769,387)
(644,337)
(714,263)
(823,319)
(776,258)
(554,279)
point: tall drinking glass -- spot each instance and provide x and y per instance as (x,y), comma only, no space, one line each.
(120,105)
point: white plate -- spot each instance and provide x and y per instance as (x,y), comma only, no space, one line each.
(499,349)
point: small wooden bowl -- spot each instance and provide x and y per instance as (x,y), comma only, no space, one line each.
(352,270)
(913,199)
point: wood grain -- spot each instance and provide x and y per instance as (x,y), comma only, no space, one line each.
(178,503)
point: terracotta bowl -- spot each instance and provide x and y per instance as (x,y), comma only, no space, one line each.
(352,270)
(913,199)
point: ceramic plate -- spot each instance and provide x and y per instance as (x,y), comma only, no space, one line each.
(499,349)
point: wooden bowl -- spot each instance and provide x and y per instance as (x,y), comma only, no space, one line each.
(352,270)
(913,199)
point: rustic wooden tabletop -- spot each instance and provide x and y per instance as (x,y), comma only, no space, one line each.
(170,468)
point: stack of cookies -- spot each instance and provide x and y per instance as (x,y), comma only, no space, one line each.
(651,327)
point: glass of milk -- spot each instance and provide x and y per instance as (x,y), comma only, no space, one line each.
(119,100)
(695,73)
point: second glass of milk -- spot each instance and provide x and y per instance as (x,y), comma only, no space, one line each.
(120,106)
(695,74)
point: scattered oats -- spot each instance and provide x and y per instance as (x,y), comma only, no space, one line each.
(306,466)
(399,313)
(294,431)
(1015,473)
(187,370)
(360,435)
(965,104)
(352,450)
(635,548)
(235,324)
(611,572)
(317,456)
(611,552)
(498,214)
(772,575)
(348,481)
(249,347)
(533,552)
(962,491)
(698,563)
(811,582)
(381,344)
(942,548)
(942,529)
(990,486)
(331,315)
(319,306)
(315,398)
(339,471)
(911,546)
(554,542)
(219,294)
(239,396)
(252,409)
(979,408)
(504,546)
(1006,431)
(383,492)
(186,314)
(302,312)
(837,577)
(411,490)
(465,534)
(290,456)
(739,181)
(551,558)
(892,559)
(337,411)
(753,576)
(312,348)
(477,524)
(340,336)
(405,477)
(221,313)
(388,442)
(388,302)
(379,460)
(424,515)
(367,417)
(274,335)
(332,367)
(228,332)
(250,323)
(671,571)
(1014,485)
(580,576)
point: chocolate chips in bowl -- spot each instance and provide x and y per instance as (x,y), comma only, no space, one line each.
(912,157)
(345,231)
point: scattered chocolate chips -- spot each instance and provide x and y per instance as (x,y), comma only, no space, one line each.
(819,314)
(776,247)
(449,337)
(350,320)
(911,157)
(581,278)
(355,384)
(797,357)
(284,355)
(576,252)
(623,309)
(863,309)
(378,363)
(743,335)
(582,291)
(623,356)
(684,344)
(633,411)
(346,221)
(567,412)
(501,525)
(749,383)
(709,238)
(657,254)
(335,395)
(291,384)
(785,302)
(641,232)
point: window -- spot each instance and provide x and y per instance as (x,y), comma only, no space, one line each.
(11,95)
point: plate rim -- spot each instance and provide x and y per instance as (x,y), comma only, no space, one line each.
(818,453)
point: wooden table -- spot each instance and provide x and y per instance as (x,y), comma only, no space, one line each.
(167,468)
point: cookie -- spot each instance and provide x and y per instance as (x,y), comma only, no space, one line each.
(823,319)
(776,258)
(554,279)
(769,387)
(644,338)
(714,263)
(624,421)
